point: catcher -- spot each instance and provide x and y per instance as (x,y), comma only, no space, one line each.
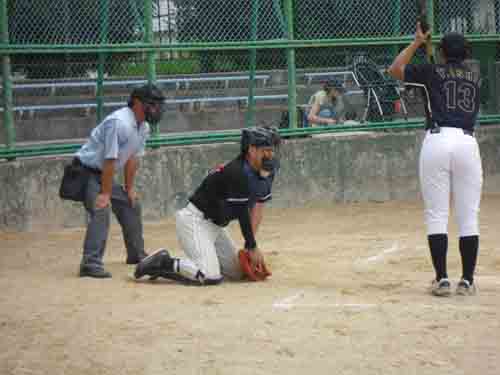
(236,190)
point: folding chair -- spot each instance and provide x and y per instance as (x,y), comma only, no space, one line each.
(383,98)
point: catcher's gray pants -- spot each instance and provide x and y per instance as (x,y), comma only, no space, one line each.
(208,247)
(98,220)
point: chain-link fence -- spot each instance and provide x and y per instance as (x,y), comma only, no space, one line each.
(222,63)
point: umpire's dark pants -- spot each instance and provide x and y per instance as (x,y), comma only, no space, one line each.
(98,221)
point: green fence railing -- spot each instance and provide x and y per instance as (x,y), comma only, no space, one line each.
(227,136)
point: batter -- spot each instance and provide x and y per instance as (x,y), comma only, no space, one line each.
(450,164)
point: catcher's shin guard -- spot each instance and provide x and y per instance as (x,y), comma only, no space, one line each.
(158,264)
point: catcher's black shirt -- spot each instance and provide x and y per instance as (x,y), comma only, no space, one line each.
(453,92)
(229,192)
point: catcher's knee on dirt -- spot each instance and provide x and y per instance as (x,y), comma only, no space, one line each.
(188,270)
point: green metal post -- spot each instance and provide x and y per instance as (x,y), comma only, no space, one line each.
(432,25)
(396,24)
(430,17)
(151,56)
(8,119)
(102,60)
(132,4)
(148,23)
(492,80)
(290,56)
(281,19)
(250,117)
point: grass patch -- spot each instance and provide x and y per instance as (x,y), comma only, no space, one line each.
(170,67)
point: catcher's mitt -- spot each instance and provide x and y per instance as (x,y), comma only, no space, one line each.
(259,273)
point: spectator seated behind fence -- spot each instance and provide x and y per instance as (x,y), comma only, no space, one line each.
(328,105)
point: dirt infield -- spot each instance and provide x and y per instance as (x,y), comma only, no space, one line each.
(347,296)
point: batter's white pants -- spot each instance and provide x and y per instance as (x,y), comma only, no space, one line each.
(208,247)
(450,164)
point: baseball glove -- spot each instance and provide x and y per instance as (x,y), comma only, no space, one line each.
(259,273)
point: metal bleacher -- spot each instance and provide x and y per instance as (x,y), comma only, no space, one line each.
(310,77)
(177,82)
(181,83)
(237,99)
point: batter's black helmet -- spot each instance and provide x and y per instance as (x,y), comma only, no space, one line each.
(259,137)
(455,47)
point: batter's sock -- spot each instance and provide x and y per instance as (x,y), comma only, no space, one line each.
(469,247)
(438,244)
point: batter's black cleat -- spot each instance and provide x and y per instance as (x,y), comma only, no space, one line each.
(158,264)
(465,288)
(441,288)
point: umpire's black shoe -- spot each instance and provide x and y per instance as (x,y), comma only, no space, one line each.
(96,272)
(136,259)
(155,265)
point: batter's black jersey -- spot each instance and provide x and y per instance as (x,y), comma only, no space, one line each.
(229,192)
(453,92)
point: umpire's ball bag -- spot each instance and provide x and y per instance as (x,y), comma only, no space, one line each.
(74,183)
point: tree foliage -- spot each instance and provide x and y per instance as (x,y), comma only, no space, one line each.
(71,22)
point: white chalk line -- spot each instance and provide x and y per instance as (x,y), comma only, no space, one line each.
(288,302)
(367,306)
(393,249)
(316,306)
(447,306)
(292,302)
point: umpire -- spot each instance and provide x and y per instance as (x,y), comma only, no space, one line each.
(117,142)
(450,163)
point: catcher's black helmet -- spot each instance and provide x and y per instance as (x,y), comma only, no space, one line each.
(259,137)
(455,47)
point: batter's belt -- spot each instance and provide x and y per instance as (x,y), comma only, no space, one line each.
(437,130)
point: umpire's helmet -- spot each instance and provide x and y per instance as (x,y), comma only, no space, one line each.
(259,137)
(455,47)
(148,93)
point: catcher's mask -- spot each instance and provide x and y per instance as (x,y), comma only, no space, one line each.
(455,47)
(262,137)
(153,102)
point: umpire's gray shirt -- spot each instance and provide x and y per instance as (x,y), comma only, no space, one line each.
(118,137)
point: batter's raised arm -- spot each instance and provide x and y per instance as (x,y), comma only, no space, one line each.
(397,68)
